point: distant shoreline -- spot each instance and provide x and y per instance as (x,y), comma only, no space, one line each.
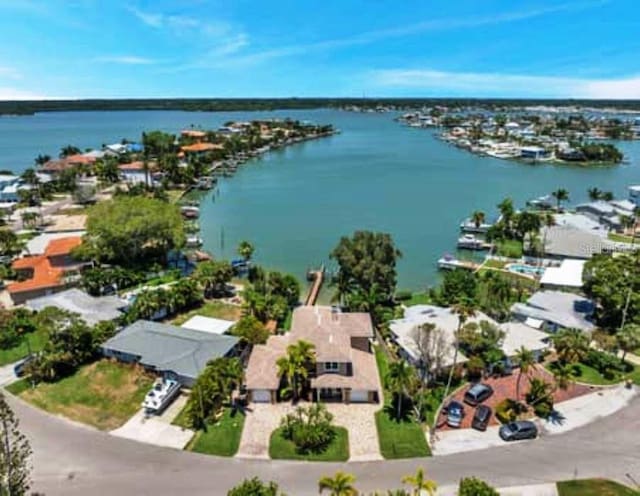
(31,107)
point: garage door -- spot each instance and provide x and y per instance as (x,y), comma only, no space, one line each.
(359,396)
(261,396)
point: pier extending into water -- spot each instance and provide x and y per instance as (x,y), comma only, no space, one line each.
(317,276)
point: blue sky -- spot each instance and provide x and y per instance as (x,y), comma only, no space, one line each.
(345,48)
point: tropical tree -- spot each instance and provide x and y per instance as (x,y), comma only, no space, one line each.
(9,243)
(15,452)
(250,330)
(507,212)
(296,366)
(571,345)
(563,375)
(255,487)
(561,195)
(341,484)
(420,483)
(628,339)
(477,218)
(41,159)
(464,309)
(525,360)
(399,379)
(246,250)
(470,486)
(69,150)
(595,194)
(213,276)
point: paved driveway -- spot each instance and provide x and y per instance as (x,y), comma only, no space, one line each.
(157,429)
(263,418)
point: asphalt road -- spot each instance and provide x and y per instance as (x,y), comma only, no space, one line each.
(70,459)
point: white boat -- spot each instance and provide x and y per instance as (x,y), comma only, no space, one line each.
(470,242)
(161,395)
(194,242)
(468,226)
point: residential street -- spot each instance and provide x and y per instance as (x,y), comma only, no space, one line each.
(70,460)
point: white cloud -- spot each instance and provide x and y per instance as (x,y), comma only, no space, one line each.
(11,94)
(497,84)
(126,60)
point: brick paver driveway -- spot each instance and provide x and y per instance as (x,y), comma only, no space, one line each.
(505,387)
(263,418)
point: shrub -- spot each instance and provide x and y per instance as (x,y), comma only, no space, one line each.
(507,410)
(607,364)
(309,428)
(475,367)
(470,486)
(543,409)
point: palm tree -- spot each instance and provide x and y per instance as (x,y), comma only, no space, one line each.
(398,380)
(608,196)
(594,194)
(628,339)
(296,365)
(571,345)
(246,250)
(507,211)
(526,360)
(465,309)
(341,484)
(41,159)
(563,375)
(560,195)
(420,483)
(477,218)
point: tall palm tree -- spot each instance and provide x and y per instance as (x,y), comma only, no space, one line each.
(563,375)
(594,194)
(296,365)
(507,211)
(571,345)
(477,217)
(547,220)
(420,483)
(561,195)
(398,380)
(245,250)
(526,361)
(465,309)
(341,484)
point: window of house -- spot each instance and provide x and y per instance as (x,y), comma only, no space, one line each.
(331,366)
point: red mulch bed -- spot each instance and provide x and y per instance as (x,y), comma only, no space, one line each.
(505,387)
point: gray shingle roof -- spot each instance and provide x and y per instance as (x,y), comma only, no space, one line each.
(170,348)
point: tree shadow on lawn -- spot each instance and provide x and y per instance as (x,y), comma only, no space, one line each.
(406,410)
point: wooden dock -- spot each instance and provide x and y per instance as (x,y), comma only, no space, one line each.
(314,290)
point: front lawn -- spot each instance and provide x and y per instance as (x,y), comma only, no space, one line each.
(104,394)
(510,248)
(283,449)
(221,438)
(492,263)
(421,298)
(211,308)
(588,375)
(37,339)
(398,438)
(594,487)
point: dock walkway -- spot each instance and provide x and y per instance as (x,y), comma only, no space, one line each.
(314,291)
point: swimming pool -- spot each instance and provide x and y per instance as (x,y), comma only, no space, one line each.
(525,269)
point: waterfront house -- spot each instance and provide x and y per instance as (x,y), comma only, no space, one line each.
(201,148)
(567,276)
(9,186)
(554,310)
(91,309)
(173,352)
(134,173)
(45,274)
(534,153)
(602,212)
(565,241)
(55,167)
(345,368)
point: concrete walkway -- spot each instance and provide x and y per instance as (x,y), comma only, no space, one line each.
(263,418)
(7,376)
(157,429)
(571,414)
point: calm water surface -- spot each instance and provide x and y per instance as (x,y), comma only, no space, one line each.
(294,204)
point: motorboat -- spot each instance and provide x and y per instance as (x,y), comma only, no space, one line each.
(161,395)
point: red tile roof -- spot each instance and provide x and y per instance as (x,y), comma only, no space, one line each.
(201,147)
(62,246)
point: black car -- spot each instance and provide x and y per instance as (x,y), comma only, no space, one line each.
(520,429)
(455,413)
(481,418)
(477,394)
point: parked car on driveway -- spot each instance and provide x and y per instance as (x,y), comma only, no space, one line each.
(19,369)
(455,413)
(481,418)
(477,394)
(520,429)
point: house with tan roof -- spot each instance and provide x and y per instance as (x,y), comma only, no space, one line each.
(46,273)
(345,367)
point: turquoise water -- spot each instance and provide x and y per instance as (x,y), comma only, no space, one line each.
(294,204)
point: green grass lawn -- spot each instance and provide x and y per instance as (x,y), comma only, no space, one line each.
(36,339)
(511,248)
(420,298)
(594,487)
(221,438)
(283,449)
(104,394)
(589,375)
(211,308)
(398,438)
(621,238)
(492,263)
